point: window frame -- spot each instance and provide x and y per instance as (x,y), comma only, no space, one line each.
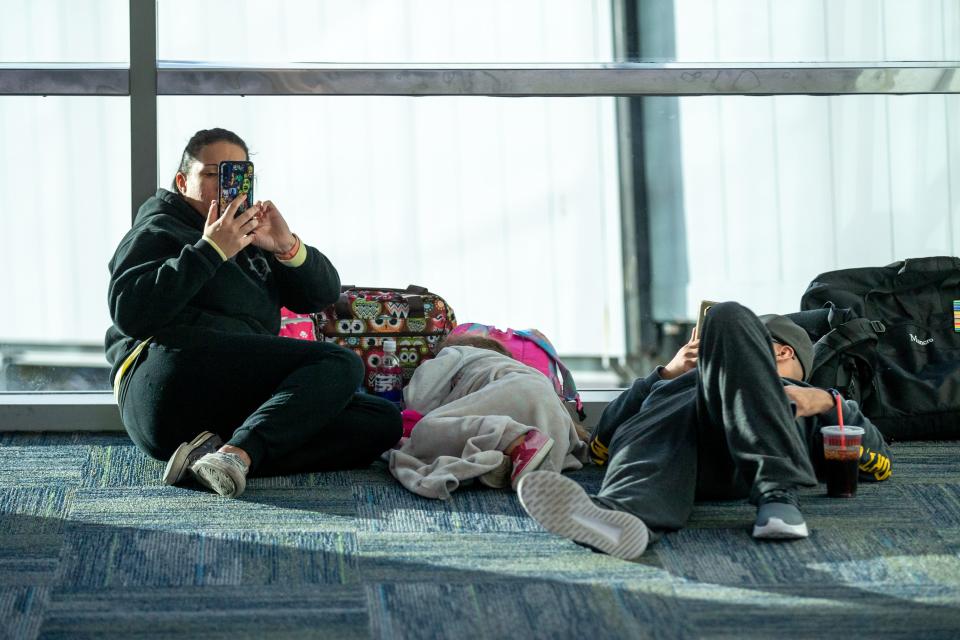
(146,78)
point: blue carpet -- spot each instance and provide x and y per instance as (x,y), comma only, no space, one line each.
(92,545)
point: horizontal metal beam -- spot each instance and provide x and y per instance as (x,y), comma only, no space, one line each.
(97,411)
(92,411)
(635,79)
(64,81)
(582,80)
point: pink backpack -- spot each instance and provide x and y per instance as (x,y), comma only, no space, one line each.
(533,349)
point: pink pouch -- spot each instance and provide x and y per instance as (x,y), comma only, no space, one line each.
(296,325)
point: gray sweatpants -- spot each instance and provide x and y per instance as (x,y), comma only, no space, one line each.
(723,430)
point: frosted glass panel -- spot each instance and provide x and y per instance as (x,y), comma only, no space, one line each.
(38,31)
(815,31)
(387,30)
(65,176)
(508,208)
(557,31)
(777,190)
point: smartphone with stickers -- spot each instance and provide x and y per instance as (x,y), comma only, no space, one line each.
(236,181)
(705,306)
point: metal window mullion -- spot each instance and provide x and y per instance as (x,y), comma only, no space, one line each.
(143,102)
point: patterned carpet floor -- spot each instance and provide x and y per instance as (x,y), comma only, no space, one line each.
(92,545)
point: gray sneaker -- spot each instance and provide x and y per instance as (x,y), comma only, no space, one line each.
(562,507)
(188,453)
(224,473)
(779,517)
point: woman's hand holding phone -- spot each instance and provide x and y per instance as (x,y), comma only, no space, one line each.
(272,233)
(230,231)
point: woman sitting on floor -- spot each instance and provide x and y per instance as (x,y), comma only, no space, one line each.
(201,376)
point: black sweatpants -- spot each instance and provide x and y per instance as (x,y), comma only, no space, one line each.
(290,404)
(723,430)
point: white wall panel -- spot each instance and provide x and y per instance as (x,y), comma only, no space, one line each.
(750,173)
(797,31)
(948,27)
(436,193)
(918,158)
(805,195)
(742,29)
(704,204)
(854,30)
(862,227)
(526,174)
(913,29)
(585,227)
(696,33)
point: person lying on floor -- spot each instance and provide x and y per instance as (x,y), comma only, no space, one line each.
(728,418)
(487,417)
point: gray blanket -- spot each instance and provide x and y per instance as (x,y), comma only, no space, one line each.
(475,403)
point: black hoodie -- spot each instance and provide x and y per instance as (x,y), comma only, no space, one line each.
(164,277)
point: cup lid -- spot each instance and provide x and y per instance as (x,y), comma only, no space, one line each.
(848,430)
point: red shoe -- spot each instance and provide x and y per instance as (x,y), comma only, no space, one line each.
(410,420)
(529,455)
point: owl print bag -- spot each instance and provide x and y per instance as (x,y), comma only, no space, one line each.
(363,317)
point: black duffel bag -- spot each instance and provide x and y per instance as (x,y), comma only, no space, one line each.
(899,356)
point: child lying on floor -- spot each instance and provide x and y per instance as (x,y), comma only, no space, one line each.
(485,416)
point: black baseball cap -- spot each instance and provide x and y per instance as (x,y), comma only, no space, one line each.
(786,331)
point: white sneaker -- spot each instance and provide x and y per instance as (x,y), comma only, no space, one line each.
(562,507)
(188,453)
(224,473)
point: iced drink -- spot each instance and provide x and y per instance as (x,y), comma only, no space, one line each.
(841,452)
